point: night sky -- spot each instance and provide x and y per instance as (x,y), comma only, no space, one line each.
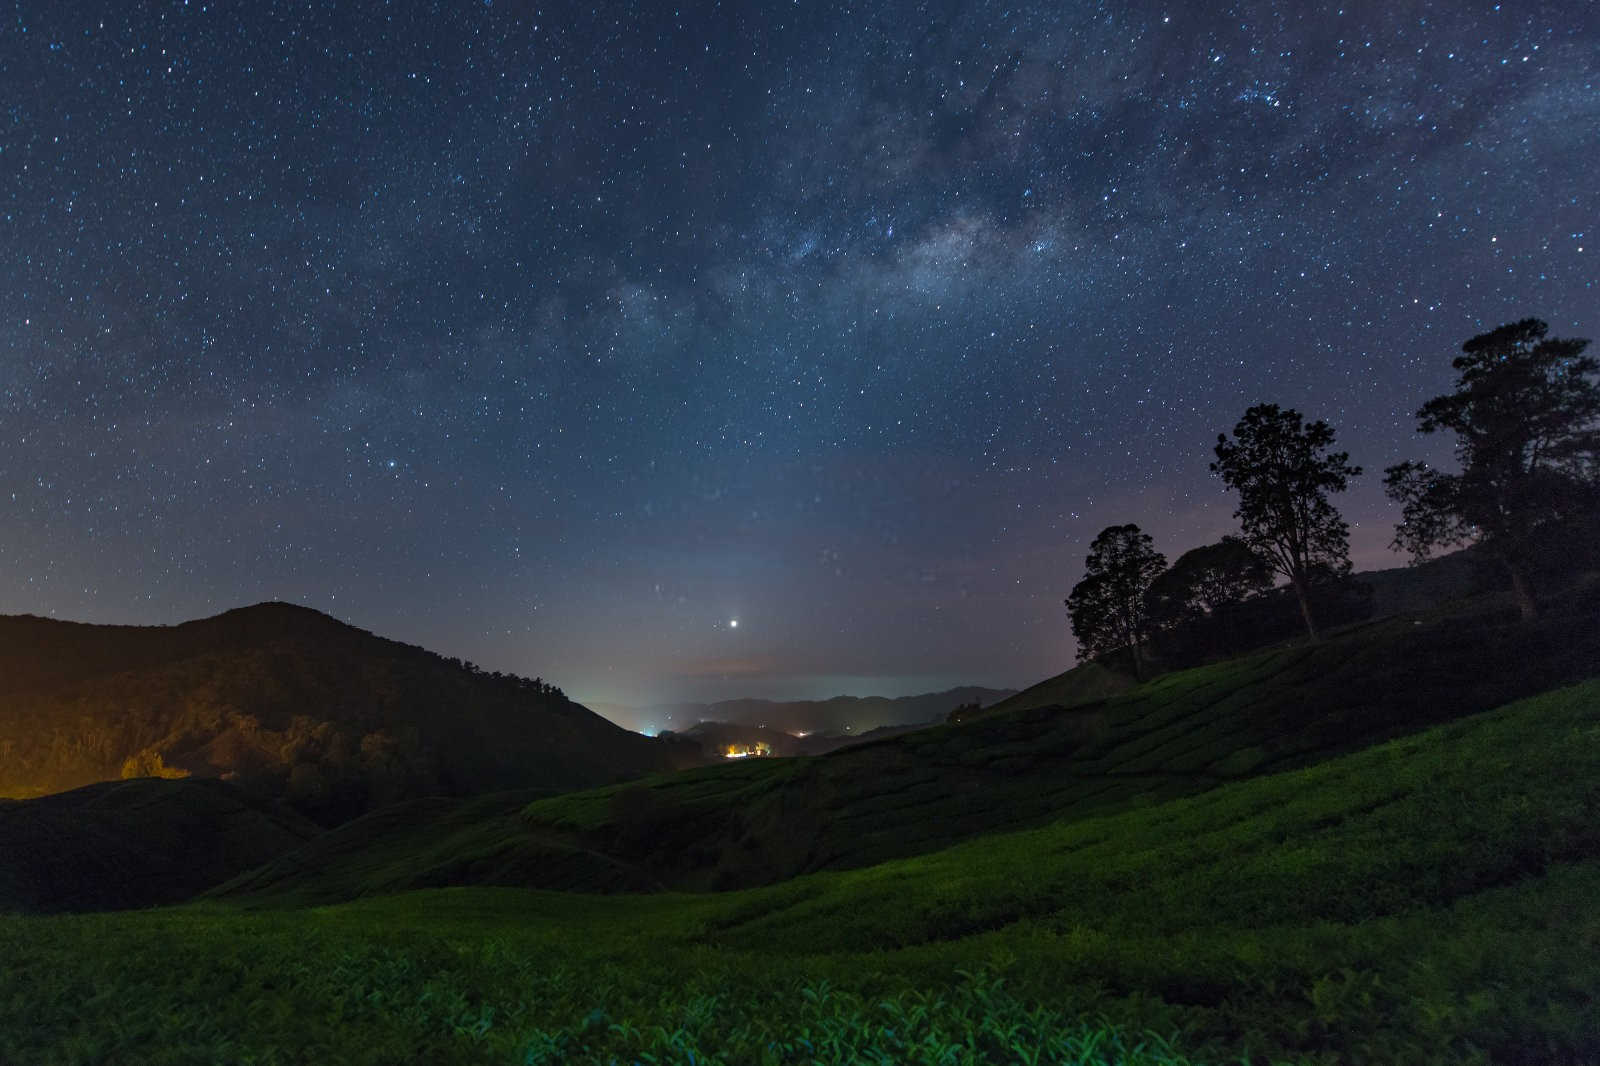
(557,339)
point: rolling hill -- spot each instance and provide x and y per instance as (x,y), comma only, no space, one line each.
(121,844)
(293,704)
(757,821)
(1380,848)
(1428,900)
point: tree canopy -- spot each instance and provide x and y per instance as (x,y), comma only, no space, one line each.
(1526,415)
(1107,607)
(1207,580)
(1283,471)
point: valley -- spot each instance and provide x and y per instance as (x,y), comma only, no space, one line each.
(1374,848)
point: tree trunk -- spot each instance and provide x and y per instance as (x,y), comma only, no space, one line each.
(1522,592)
(1303,594)
(1138,661)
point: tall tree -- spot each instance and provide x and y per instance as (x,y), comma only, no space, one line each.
(1526,414)
(1107,607)
(1283,472)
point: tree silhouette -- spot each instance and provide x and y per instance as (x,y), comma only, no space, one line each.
(1526,414)
(1208,582)
(1283,472)
(1107,607)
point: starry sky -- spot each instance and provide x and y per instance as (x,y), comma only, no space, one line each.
(557,338)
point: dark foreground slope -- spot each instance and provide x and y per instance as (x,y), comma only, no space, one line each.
(293,704)
(427,843)
(1426,901)
(756,821)
(136,843)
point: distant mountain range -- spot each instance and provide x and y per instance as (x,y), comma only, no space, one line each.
(719,740)
(841,714)
(294,705)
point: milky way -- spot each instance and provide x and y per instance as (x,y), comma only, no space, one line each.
(558,339)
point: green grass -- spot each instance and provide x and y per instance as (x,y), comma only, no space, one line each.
(491,981)
(1428,900)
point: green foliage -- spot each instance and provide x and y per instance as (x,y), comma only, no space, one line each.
(1283,472)
(1424,820)
(972,1022)
(1428,900)
(210,987)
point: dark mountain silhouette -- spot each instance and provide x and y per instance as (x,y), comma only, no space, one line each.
(136,843)
(840,714)
(293,704)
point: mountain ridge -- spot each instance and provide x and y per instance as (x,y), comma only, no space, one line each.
(842,713)
(294,704)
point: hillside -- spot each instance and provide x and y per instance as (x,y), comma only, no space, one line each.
(1427,901)
(291,703)
(756,821)
(1089,682)
(426,843)
(136,843)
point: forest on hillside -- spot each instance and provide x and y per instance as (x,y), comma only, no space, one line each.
(325,716)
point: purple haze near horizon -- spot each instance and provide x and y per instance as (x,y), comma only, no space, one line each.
(558,341)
